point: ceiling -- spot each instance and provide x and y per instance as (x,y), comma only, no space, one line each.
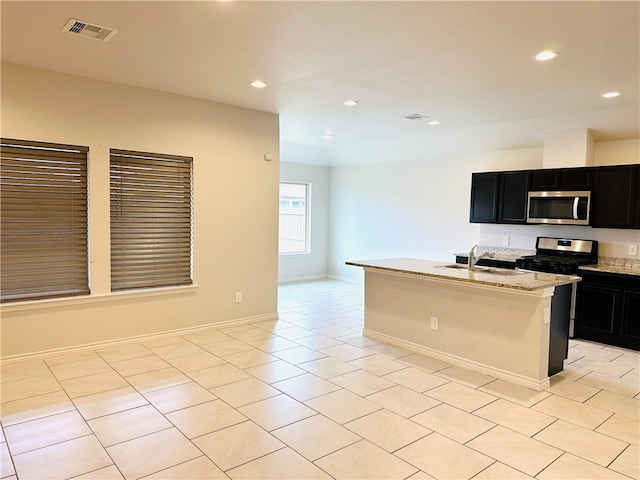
(465,64)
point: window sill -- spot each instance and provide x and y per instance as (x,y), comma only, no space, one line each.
(297,254)
(91,299)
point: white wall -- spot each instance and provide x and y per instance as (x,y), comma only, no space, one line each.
(235,205)
(314,264)
(420,208)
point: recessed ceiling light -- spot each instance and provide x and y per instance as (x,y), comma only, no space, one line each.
(350,103)
(327,135)
(433,122)
(546,55)
(611,95)
(258,84)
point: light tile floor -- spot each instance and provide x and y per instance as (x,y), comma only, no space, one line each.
(308,397)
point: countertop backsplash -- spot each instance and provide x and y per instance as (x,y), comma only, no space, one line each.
(623,265)
(500,253)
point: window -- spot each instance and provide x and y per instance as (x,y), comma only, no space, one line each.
(43,226)
(150,220)
(293,234)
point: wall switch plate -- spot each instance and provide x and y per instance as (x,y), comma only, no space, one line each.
(633,249)
(505,240)
(434,323)
(238,297)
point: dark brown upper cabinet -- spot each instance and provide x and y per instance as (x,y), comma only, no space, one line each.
(512,204)
(580,179)
(499,197)
(545,180)
(613,200)
(484,197)
(637,207)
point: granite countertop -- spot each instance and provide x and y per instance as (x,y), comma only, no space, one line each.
(625,266)
(516,279)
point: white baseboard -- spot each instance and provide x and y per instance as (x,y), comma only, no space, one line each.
(359,281)
(138,338)
(532,383)
(309,278)
(303,278)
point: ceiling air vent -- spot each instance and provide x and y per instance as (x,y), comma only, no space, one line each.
(84,29)
(415,116)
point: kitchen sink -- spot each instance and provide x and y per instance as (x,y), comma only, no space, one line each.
(494,270)
(460,266)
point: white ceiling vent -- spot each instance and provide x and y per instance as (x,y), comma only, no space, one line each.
(415,116)
(84,29)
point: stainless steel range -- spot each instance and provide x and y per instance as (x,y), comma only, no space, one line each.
(564,256)
(560,255)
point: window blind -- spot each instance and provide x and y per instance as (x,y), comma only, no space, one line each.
(150,220)
(43,220)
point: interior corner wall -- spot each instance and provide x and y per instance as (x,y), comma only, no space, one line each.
(235,205)
(313,264)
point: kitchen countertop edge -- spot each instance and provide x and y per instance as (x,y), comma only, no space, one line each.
(528,281)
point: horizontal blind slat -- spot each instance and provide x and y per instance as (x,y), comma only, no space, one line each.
(10,143)
(150,197)
(43,220)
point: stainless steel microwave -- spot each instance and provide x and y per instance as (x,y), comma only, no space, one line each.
(563,208)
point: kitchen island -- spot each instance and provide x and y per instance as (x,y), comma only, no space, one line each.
(510,324)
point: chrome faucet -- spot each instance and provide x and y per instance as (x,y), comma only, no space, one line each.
(474,258)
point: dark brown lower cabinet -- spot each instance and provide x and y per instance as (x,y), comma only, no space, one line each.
(608,309)
(631,317)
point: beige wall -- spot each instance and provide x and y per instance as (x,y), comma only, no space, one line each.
(617,153)
(235,216)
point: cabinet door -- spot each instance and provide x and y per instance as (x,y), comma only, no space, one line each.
(631,319)
(638,197)
(613,199)
(484,197)
(547,180)
(577,178)
(596,310)
(513,197)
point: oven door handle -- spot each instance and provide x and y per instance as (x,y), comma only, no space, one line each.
(576,200)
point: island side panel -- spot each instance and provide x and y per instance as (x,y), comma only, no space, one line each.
(494,330)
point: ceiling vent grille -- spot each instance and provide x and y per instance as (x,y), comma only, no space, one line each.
(84,29)
(415,116)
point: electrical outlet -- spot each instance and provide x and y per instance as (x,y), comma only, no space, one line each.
(434,323)
(505,240)
(633,249)
(238,297)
